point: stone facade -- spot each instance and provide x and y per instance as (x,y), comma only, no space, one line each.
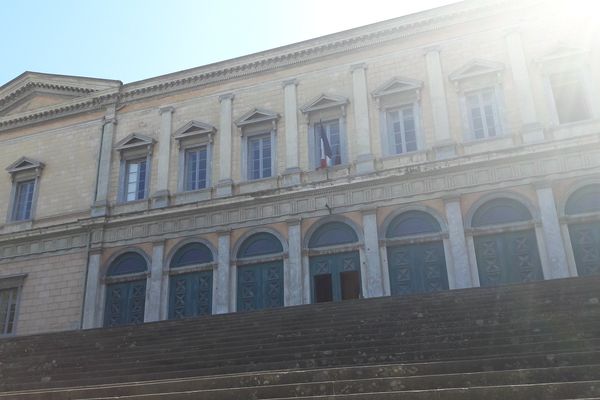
(77,141)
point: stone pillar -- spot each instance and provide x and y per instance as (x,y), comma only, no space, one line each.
(551,232)
(91,306)
(374,276)
(225,184)
(444,145)
(161,196)
(223,272)
(364,158)
(461,267)
(154,284)
(531,130)
(100,206)
(291,175)
(293,284)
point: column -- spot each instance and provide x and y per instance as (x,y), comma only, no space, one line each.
(461,268)
(531,130)
(374,277)
(555,249)
(100,206)
(291,175)
(293,284)
(91,309)
(221,288)
(225,184)
(364,158)
(161,196)
(154,283)
(443,145)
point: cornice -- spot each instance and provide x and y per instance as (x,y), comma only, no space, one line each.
(33,85)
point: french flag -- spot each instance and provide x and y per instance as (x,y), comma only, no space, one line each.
(326,153)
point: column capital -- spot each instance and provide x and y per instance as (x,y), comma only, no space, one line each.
(542,184)
(293,221)
(358,66)
(167,109)
(95,251)
(226,96)
(368,210)
(109,120)
(432,49)
(156,243)
(451,198)
(288,82)
(223,232)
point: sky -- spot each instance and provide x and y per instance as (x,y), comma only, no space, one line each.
(131,40)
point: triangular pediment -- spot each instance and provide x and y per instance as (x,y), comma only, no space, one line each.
(255,116)
(475,68)
(561,51)
(31,91)
(398,85)
(194,128)
(134,140)
(323,102)
(24,164)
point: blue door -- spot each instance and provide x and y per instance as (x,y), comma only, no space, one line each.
(260,286)
(125,303)
(190,294)
(508,258)
(335,277)
(417,268)
(585,239)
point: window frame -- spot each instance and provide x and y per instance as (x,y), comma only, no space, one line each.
(262,139)
(194,135)
(257,122)
(21,171)
(495,103)
(584,82)
(135,147)
(12,282)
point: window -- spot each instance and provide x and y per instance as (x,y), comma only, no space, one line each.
(8,310)
(401,129)
(328,139)
(259,157)
(135,181)
(23,200)
(196,163)
(25,174)
(569,97)
(482,112)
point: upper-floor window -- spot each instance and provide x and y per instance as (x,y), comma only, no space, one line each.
(569,96)
(398,103)
(327,131)
(482,109)
(258,128)
(196,167)
(25,174)
(195,145)
(10,290)
(136,153)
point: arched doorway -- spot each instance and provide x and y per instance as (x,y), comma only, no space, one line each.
(334,263)
(125,290)
(191,281)
(415,253)
(583,217)
(505,243)
(260,273)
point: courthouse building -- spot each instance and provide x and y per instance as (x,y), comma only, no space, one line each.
(454,148)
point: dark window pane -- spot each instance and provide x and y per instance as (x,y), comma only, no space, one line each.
(569,97)
(323,288)
(350,285)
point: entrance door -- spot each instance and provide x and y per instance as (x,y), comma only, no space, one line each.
(260,286)
(508,258)
(417,268)
(125,303)
(335,277)
(585,239)
(190,294)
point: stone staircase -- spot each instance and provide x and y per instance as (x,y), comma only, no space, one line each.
(529,341)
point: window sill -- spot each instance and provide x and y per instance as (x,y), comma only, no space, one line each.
(192,196)
(579,128)
(258,185)
(130,206)
(500,142)
(15,226)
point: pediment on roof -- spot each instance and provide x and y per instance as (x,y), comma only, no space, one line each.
(323,102)
(30,91)
(194,128)
(397,85)
(133,141)
(475,68)
(24,164)
(561,51)
(257,115)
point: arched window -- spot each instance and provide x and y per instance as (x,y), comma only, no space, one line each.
(332,234)
(260,272)
(191,281)
(126,290)
(583,216)
(418,265)
(505,243)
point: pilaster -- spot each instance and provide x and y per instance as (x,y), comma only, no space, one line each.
(461,267)
(100,205)
(221,288)
(363,157)
(91,308)
(293,284)
(161,197)
(374,276)
(291,175)
(154,284)
(225,184)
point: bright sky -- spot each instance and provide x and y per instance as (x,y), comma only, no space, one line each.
(130,40)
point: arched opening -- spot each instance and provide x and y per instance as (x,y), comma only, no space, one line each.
(334,263)
(191,281)
(505,243)
(415,253)
(125,290)
(260,273)
(583,215)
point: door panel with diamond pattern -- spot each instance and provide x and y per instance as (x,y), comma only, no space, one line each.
(417,268)
(125,303)
(508,258)
(333,265)
(260,286)
(585,239)
(190,294)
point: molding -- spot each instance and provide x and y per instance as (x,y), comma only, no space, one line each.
(323,102)
(195,129)
(25,164)
(255,116)
(476,67)
(134,141)
(398,85)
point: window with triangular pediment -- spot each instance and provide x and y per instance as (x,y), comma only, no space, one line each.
(134,176)
(258,128)
(25,175)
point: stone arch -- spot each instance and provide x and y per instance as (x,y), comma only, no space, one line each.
(114,257)
(525,202)
(240,242)
(190,241)
(426,211)
(337,219)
